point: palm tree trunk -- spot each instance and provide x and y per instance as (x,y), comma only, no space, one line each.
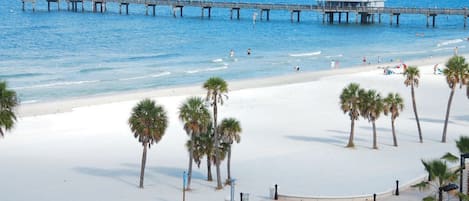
(217,163)
(415,112)
(375,144)
(352,129)
(467,90)
(217,154)
(228,180)
(443,139)
(144,160)
(393,133)
(440,194)
(189,172)
(209,169)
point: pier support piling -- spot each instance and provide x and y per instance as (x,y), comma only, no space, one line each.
(465,20)
(346,17)
(175,7)
(74,7)
(126,8)
(433,20)
(102,6)
(297,15)
(237,11)
(267,11)
(427,20)
(209,10)
(54,1)
(397,17)
(150,5)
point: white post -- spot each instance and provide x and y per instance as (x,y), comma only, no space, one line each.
(232,190)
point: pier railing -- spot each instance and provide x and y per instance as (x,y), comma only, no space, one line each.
(284,6)
(364,12)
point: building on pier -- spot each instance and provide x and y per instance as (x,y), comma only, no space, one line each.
(351,3)
(361,8)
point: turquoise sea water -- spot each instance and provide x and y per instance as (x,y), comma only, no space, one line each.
(56,55)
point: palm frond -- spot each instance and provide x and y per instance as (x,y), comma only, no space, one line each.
(148,122)
(450,158)
(422,185)
(8,103)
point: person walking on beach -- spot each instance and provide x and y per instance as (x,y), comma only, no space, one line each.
(456,51)
(435,67)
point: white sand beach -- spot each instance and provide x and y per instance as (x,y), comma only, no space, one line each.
(294,135)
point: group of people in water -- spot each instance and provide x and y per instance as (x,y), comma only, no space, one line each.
(232,53)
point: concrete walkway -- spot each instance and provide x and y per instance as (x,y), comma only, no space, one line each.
(413,194)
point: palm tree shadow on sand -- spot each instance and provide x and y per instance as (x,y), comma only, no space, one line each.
(335,140)
(462,118)
(133,171)
(176,172)
(377,129)
(344,135)
(168,171)
(117,174)
(431,120)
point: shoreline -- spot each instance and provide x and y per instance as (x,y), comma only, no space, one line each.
(68,104)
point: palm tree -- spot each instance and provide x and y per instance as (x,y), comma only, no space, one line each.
(455,72)
(195,117)
(371,106)
(412,75)
(206,148)
(230,129)
(441,175)
(8,103)
(393,104)
(201,146)
(148,122)
(216,90)
(463,144)
(349,102)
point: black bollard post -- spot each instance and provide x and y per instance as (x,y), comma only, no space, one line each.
(374,197)
(397,187)
(276,193)
(241,194)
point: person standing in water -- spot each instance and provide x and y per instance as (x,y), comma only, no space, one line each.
(249,51)
(232,54)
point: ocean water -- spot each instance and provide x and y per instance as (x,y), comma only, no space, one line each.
(57,55)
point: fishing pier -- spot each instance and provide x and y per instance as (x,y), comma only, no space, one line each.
(332,11)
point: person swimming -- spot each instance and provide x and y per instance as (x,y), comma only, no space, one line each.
(249,51)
